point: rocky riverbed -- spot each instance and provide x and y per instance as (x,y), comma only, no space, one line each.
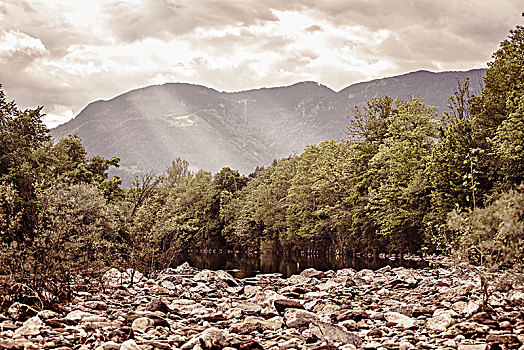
(184,308)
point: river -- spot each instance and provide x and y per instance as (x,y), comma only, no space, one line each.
(249,265)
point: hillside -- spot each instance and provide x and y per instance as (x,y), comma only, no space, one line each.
(149,127)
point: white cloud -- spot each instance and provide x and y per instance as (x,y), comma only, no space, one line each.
(64,54)
(13,41)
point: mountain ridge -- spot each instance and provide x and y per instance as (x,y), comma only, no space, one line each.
(149,126)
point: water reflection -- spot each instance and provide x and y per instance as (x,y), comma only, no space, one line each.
(242,265)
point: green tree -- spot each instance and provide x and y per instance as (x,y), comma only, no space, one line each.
(23,144)
(498,114)
(398,190)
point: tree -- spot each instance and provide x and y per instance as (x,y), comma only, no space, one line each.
(398,188)
(498,114)
(451,172)
(23,144)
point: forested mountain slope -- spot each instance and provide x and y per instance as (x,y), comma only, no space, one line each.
(149,127)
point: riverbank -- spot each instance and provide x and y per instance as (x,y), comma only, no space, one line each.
(185,308)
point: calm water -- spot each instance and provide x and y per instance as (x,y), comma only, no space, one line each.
(242,266)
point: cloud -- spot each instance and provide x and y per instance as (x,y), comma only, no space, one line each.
(314,28)
(65,54)
(132,21)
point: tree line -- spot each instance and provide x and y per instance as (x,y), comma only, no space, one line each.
(403,180)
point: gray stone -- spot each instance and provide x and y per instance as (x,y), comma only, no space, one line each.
(211,337)
(312,273)
(129,345)
(77,315)
(399,319)
(439,323)
(249,308)
(471,308)
(473,347)
(142,324)
(30,327)
(21,312)
(252,323)
(96,305)
(157,305)
(297,318)
(332,334)
(406,346)
(110,345)
(282,304)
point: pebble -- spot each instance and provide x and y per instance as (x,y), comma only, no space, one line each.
(186,308)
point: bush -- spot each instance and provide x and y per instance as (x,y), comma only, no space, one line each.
(492,238)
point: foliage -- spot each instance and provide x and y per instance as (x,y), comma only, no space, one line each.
(492,238)
(54,210)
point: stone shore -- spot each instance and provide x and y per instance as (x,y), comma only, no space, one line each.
(184,308)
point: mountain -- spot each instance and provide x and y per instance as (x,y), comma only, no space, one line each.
(149,127)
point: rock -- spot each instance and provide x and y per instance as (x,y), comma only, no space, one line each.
(440,322)
(21,312)
(31,327)
(186,269)
(110,345)
(458,291)
(282,304)
(157,305)
(249,308)
(332,334)
(399,319)
(132,275)
(297,318)
(473,347)
(516,297)
(348,347)
(471,329)
(312,273)
(47,314)
(502,338)
(95,305)
(210,338)
(471,308)
(266,298)
(289,344)
(406,346)
(112,278)
(249,345)
(129,345)
(168,285)
(77,315)
(183,306)
(220,276)
(252,323)
(18,344)
(142,324)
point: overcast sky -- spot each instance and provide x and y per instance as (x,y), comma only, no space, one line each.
(63,54)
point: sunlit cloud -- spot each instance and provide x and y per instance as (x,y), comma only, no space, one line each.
(64,54)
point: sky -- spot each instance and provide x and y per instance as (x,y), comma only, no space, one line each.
(64,54)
